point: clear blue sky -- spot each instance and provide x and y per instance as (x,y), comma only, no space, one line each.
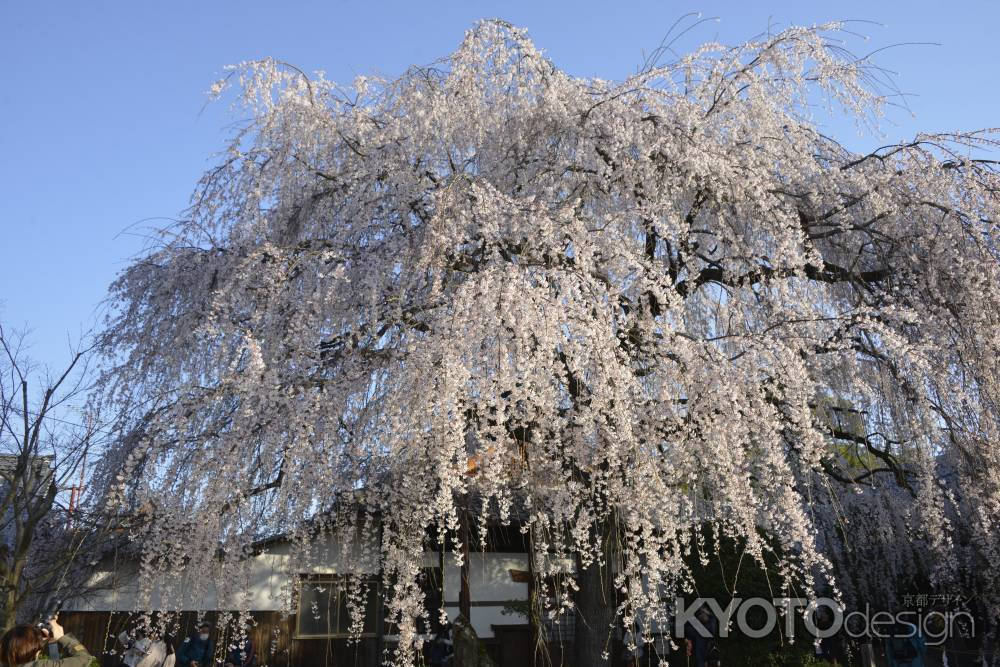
(101,121)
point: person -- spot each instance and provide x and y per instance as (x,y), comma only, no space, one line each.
(905,648)
(197,649)
(830,649)
(701,647)
(171,658)
(153,651)
(129,656)
(636,655)
(440,649)
(25,646)
(142,649)
(242,656)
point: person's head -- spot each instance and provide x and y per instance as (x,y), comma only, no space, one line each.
(703,614)
(204,630)
(21,645)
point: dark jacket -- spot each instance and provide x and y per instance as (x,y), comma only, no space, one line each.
(701,646)
(73,652)
(905,651)
(193,648)
(440,651)
(244,656)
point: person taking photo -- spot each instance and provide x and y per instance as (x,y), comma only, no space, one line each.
(26,646)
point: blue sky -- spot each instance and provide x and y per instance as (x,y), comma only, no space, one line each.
(103,124)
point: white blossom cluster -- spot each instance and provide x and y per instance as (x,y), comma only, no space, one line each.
(652,305)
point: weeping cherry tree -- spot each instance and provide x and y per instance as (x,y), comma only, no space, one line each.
(643,309)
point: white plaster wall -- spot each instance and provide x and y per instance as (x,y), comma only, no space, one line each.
(116,589)
(484,618)
(489,577)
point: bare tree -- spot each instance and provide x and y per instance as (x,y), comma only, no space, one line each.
(45,443)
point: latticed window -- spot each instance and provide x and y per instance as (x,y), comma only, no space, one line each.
(560,629)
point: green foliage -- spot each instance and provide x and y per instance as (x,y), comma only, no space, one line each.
(793,659)
(521,608)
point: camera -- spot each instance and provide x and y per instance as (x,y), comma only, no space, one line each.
(52,609)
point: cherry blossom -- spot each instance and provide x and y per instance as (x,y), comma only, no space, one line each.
(631,308)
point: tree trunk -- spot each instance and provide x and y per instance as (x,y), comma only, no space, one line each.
(469,649)
(465,590)
(8,606)
(466,642)
(596,603)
